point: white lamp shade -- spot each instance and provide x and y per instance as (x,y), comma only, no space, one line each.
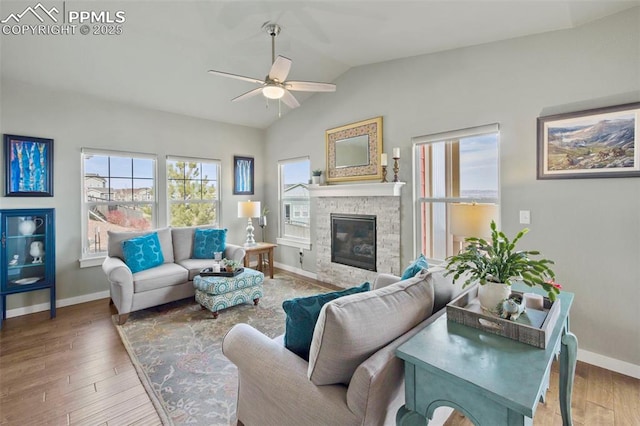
(249,209)
(472,220)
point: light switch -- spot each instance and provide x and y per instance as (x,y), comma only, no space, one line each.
(525,217)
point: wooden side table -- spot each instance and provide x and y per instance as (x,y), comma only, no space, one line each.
(491,379)
(260,250)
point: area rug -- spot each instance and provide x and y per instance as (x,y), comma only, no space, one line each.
(177,350)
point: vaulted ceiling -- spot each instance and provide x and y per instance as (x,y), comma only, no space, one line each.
(160,60)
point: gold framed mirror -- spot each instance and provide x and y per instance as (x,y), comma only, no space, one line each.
(353,151)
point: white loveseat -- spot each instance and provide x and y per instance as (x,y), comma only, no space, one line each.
(173,280)
(353,376)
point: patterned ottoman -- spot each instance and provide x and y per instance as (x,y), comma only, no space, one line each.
(217,293)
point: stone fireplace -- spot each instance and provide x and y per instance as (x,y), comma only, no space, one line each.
(353,240)
(379,200)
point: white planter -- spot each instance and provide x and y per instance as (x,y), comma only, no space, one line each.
(492,294)
(315,180)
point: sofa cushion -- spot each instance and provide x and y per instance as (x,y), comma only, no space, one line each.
(164,235)
(416,266)
(183,241)
(208,241)
(302,314)
(444,290)
(350,329)
(194,266)
(142,253)
(165,275)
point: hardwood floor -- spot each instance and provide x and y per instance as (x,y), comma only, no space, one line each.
(69,370)
(74,370)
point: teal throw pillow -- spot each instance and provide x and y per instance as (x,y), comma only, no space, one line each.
(418,265)
(142,252)
(302,315)
(208,241)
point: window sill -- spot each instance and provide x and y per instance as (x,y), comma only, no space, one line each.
(301,244)
(90,262)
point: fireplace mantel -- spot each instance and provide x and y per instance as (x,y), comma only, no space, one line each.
(378,189)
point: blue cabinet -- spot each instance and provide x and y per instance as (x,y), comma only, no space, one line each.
(27,254)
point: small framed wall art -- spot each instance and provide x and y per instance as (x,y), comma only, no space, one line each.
(28,166)
(596,143)
(243,171)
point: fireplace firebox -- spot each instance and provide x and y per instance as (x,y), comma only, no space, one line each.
(353,240)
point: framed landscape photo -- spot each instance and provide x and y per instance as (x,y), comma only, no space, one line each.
(596,143)
(28,166)
(243,171)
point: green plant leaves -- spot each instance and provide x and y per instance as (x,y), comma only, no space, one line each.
(499,262)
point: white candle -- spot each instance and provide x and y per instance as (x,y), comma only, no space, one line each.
(383,159)
(396,152)
(533,301)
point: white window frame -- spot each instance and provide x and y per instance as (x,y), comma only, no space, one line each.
(300,243)
(418,200)
(95,259)
(217,201)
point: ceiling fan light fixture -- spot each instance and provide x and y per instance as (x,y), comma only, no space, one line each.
(273,92)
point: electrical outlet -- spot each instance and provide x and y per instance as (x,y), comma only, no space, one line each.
(525,217)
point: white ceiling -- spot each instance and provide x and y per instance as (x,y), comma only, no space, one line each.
(160,60)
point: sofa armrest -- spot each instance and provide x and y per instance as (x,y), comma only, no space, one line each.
(234,252)
(120,283)
(267,374)
(383,280)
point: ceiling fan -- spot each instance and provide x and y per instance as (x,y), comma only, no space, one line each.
(275,86)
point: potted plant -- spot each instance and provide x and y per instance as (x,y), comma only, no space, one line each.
(315,176)
(495,265)
(230,265)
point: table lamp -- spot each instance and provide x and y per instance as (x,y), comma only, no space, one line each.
(249,209)
(472,220)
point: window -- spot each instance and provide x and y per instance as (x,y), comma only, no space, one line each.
(119,195)
(294,202)
(452,167)
(193,191)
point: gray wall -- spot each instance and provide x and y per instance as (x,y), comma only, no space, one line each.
(590,227)
(76,121)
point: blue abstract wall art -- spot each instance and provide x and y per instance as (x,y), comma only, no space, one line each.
(28,166)
(243,175)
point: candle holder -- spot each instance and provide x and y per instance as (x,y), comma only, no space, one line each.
(384,174)
(396,169)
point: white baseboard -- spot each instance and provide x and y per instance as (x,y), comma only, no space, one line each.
(59,304)
(298,271)
(612,364)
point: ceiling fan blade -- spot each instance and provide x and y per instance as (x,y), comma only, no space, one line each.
(280,69)
(248,94)
(310,86)
(236,76)
(289,100)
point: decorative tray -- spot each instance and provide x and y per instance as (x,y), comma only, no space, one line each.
(533,327)
(25,281)
(207,272)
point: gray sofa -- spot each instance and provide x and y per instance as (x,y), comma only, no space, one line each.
(353,376)
(173,280)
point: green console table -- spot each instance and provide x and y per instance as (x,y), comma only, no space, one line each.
(491,379)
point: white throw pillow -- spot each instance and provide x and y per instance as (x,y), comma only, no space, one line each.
(352,328)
